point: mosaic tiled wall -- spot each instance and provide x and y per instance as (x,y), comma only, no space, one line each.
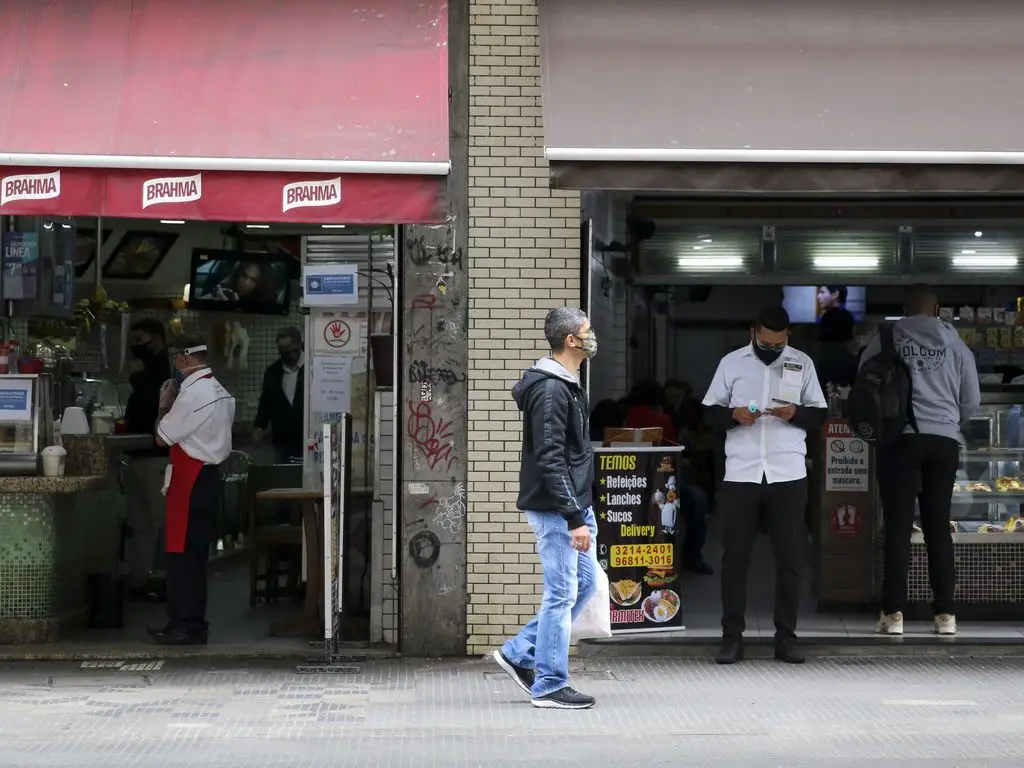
(988,572)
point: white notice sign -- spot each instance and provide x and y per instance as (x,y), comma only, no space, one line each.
(331,384)
(846,460)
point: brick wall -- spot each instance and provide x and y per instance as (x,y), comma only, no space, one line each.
(524,260)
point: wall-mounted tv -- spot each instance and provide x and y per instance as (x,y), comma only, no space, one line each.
(239,281)
(807,303)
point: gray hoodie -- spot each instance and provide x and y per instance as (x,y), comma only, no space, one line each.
(946,390)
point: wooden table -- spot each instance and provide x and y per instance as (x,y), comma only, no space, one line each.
(310,623)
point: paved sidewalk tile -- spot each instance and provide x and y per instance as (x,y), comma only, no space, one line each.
(843,713)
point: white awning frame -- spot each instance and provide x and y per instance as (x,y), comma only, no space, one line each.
(265,165)
(826,156)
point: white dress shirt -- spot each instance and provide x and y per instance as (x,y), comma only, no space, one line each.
(201,419)
(772,449)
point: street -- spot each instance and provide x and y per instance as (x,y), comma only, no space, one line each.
(848,712)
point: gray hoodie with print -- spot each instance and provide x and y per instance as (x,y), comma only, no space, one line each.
(946,390)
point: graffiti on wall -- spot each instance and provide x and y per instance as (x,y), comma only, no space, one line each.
(436,396)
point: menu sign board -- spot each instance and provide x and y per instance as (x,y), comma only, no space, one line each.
(637,505)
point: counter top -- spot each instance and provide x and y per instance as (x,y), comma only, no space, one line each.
(129,442)
(40,484)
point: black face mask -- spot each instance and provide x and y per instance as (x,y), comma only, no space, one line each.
(141,351)
(290,358)
(767,356)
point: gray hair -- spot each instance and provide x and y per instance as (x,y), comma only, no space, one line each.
(562,322)
(290,332)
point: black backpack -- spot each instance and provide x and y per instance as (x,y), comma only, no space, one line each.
(880,404)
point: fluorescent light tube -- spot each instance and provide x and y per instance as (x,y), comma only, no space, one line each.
(845,262)
(982,262)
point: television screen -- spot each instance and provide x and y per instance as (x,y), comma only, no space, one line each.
(807,303)
(239,281)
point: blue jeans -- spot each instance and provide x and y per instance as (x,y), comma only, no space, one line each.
(543,644)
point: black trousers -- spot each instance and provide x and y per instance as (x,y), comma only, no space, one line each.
(186,571)
(919,468)
(741,506)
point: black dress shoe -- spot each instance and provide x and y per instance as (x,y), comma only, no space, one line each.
(731,652)
(177,637)
(787,650)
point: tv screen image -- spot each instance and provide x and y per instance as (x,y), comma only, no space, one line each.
(807,303)
(239,281)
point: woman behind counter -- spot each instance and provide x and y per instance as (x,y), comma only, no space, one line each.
(144,478)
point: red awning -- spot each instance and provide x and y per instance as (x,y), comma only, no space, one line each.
(312,111)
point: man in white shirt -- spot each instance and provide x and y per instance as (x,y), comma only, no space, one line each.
(767,397)
(197,415)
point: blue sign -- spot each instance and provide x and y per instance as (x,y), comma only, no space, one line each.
(20,265)
(13,399)
(330,285)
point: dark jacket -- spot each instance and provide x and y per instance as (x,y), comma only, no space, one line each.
(143,407)
(284,418)
(557,470)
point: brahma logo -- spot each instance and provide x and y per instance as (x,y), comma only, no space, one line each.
(311,194)
(30,186)
(176,189)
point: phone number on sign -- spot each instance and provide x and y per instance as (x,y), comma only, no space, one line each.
(640,556)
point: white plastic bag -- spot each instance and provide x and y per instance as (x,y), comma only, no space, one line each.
(595,620)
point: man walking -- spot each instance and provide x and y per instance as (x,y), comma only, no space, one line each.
(555,491)
(282,398)
(922,465)
(767,398)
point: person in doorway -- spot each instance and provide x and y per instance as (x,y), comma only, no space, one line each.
(682,407)
(556,481)
(645,408)
(281,399)
(197,429)
(921,466)
(767,398)
(144,476)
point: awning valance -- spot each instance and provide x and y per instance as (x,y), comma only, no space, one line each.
(801,96)
(240,110)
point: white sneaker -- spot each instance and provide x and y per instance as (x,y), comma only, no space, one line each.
(890,623)
(945,624)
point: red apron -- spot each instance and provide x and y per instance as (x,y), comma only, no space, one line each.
(184,471)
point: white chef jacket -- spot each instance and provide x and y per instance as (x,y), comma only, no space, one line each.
(201,419)
(772,449)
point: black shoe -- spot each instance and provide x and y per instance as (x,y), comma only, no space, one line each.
(564,698)
(699,566)
(522,676)
(177,637)
(787,650)
(731,652)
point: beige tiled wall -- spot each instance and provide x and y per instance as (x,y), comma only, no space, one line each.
(524,260)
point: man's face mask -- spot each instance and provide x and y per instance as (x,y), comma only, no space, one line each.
(768,353)
(588,343)
(290,356)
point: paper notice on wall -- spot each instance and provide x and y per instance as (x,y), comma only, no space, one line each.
(846,460)
(331,384)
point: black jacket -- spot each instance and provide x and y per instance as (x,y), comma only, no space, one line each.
(284,418)
(557,470)
(143,407)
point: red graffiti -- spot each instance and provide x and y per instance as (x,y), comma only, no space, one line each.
(424,301)
(433,437)
(431,500)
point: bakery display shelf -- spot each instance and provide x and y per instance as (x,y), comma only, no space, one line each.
(994,453)
(988,497)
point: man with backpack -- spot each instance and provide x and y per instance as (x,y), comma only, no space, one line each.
(917,383)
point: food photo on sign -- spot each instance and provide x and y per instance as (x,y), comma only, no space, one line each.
(637,506)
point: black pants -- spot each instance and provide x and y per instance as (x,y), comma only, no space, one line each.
(186,571)
(741,506)
(918,468)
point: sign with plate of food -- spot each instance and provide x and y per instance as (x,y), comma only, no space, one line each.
(638,522)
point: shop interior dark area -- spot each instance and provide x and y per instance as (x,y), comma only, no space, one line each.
(93,307)
(674,285)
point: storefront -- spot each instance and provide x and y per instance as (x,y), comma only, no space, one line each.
(721,154)
(299,145)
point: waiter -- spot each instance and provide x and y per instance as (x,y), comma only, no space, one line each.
(767,398)
(199,414)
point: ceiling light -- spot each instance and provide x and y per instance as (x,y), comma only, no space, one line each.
(698,247)
(332,226)
(845,262)
(968,253)
(257,226)
(171,221)
(185,294)
(710,263)
(991,262)
(707,240)
(978,233)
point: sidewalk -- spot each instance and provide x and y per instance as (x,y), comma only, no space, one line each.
(849,713)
